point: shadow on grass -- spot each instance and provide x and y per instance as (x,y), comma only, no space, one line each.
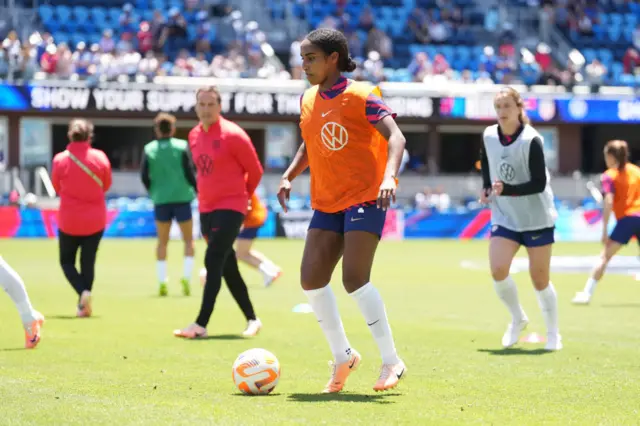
(343,397)
(22,348)
(621,305)
(515,351)
(70,317)
(218,337)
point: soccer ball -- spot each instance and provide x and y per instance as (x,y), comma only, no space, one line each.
(256,372)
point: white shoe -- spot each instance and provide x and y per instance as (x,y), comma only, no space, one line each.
(581,298)
(253,327)
(554,342)
(269,278)
(512,335)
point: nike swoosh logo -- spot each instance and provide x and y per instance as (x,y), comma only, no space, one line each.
(324,114)
(401,373)
(214,229)
(355,219)
(372,323)
(352,363)
(536,237)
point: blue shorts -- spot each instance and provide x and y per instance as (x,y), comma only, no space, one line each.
(181,212)
(626,228)
(368,218)
(541,237)
(249,233)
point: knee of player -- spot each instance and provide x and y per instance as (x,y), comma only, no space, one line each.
(539,277)
(499,272)
(353,280)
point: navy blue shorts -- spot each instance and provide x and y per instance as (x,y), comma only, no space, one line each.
(626,228)
(181,212)
(249,233)
(541,237)
(363,217)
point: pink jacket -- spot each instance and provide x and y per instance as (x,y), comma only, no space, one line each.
(83,210)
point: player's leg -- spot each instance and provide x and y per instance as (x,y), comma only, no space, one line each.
(238,289)
(322,251)
(244,243)
(68,246)
(622,233)
(221,228)
(185,222)
(539,246)
(88,254)
(363,228)
(32,320)
(503,246)
(163,216)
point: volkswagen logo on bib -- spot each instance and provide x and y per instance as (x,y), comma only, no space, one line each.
(506,171)
(334,136)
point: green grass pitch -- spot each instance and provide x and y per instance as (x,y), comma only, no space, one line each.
(124,367)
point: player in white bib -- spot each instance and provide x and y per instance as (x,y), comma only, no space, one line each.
(516,185)
(32,320)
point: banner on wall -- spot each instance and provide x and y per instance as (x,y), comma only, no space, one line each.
(244,99)
(4,143)
(571,225)
(481,107)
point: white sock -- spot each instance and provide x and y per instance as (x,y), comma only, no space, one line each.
(14,286)
(187,267)
(268,268)
(161,268)
(548,301)
(324,305)
(508,292)
(590,286)
(372,308)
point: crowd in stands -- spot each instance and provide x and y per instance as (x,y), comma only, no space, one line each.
(426,44)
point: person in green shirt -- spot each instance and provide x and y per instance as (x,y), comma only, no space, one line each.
(168,173)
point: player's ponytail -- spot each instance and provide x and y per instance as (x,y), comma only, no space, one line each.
(619,150)
(348,64)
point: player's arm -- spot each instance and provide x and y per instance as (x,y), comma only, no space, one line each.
(607,201)
(484,169)
(55,174)
(537,170)
(107,179)
(246,154)
(380,115)
(189,168)
(298,165)
(144,171)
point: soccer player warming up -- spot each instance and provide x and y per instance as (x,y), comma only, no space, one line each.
(32,320)
(167,174)
(256,216)
(353,148)
(621,187)
(81,175)
(228,172)
(522,212)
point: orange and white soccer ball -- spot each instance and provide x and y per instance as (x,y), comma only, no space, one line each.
(256,372)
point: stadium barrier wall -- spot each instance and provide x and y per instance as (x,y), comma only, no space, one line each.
(572,224)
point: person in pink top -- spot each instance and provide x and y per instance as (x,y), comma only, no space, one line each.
(81,176)
(228,172)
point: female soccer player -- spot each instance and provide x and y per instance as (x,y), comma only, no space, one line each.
(228,172)
(32,320)
(522,212)
(81,175)
(621,187)
(354,148)
(256,216)
(167,173)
